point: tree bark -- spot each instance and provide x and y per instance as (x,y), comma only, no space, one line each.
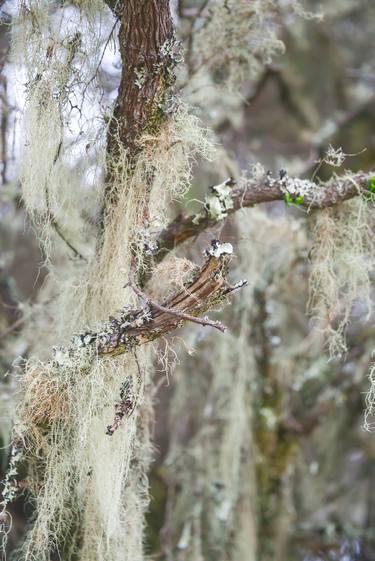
(146,38)
(148,55)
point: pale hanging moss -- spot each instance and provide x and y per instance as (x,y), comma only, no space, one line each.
(249,31)
(342,262)
(180,142)
(6,414)
(43,132)
(161,173)
(57,51)
(212,474)
(51,189)
(80,477)
(170,277)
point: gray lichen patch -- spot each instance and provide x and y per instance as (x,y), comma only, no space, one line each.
(294,185)
(218,249)
(140,76)
(218,203)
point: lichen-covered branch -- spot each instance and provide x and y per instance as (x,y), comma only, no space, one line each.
(226,198)
(132,328)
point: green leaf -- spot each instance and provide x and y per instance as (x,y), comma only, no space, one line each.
(371,185)
(299,199)
(288,199)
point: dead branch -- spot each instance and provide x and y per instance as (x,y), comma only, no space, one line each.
(177,313)
(133,328)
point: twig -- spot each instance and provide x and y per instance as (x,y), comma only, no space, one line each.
(101,58)
(12,327)
(65,240)
(52,218)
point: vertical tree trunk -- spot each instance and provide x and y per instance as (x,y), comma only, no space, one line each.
(148,54)
(146,39)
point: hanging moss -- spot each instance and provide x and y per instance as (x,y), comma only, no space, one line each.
(90,490)
(343,260)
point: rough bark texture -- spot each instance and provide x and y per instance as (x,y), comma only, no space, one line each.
(148,55)
(146,46)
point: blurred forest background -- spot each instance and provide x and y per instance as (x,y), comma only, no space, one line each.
(258,446)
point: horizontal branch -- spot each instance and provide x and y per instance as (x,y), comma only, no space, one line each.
(226,198)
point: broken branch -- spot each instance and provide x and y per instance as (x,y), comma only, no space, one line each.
(177,313)
(134,328)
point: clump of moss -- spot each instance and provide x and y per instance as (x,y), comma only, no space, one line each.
(342,262)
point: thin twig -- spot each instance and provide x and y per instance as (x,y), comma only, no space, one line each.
(53,221)
(65,240)
(12,327)
(101,58)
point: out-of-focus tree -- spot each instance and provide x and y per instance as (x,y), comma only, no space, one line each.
(116,116)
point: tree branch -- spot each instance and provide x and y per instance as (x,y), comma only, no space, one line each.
(172,311)
(133,328)
(225,200)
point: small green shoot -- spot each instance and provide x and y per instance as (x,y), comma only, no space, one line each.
(290,199)
(371,185)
